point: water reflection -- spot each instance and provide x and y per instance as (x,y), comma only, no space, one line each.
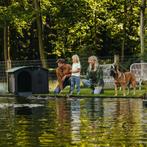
(62,122)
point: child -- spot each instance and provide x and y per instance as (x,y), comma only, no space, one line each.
(75,74)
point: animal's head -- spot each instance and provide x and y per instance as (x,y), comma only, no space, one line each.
(113,70)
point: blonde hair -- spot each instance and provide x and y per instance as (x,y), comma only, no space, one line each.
(76,57)
(94,58)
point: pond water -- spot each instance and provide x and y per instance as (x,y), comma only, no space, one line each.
(72,122)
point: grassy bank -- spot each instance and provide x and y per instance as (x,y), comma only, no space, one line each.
(107,93)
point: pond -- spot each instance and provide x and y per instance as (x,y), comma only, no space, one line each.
(72,122)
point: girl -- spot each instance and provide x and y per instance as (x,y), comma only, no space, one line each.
(94,75)
(75,74)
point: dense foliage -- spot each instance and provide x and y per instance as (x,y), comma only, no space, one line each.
(85,27)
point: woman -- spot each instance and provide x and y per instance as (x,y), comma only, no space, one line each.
(94,75)
(75,74)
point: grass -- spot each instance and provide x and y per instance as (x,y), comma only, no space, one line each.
(107,92)
(87,91)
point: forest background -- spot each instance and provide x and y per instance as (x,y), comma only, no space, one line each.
(49,29)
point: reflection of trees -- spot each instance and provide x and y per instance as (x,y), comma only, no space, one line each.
(128,119)
(51,131)
(19,130)
(144,118)
(6,126)
(23,135)
(49,127)
(125,122)
(76,122)
(28,127)
(118,125)
(92,125)
(95,106)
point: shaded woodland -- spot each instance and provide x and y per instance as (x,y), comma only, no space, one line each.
(44,29)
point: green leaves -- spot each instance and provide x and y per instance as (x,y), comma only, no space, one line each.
(74,26)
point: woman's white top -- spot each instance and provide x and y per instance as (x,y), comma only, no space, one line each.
(75,67)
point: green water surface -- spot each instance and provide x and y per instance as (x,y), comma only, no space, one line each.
(73,122)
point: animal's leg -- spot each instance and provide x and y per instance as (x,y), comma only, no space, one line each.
(124,90)
(134,90)
(134,87)
(128,87)
(115,86)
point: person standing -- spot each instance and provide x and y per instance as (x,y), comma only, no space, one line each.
(94,75)
(63,73)
(75,74)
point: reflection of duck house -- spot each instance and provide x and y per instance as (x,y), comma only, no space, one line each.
(28,109)
(23,110)
(27,79)
(145,102)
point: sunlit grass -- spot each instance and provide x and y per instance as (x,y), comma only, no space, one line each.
(87,91)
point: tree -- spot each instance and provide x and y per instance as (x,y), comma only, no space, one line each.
(62,28)
(142,25)
(40,35)
(6,35)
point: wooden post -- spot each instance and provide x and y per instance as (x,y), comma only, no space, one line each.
(116,59)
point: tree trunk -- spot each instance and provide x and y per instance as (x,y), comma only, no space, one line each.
(7,47)
(124,32)
(142,25)
(39,31)
(122,49)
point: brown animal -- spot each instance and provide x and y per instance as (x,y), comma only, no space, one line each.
(123,79)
